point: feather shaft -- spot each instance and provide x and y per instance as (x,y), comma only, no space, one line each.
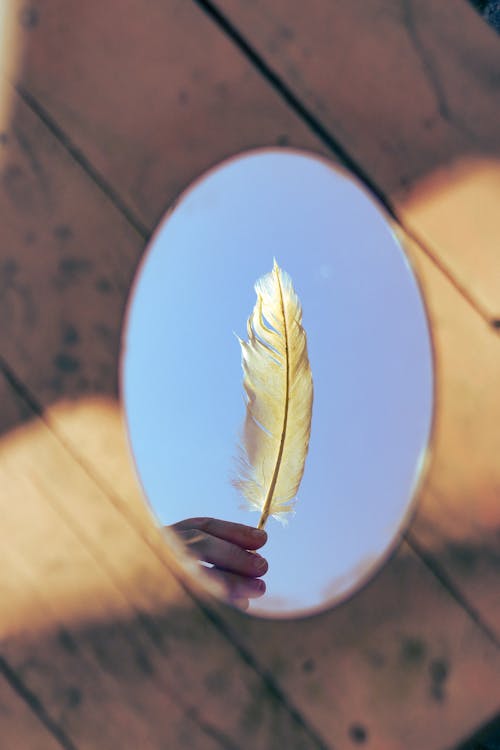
(267,503)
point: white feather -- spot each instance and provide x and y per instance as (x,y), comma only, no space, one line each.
(278,383)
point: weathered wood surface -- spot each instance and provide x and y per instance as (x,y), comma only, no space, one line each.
(151,95)
(22,725)
(97,628)
(95,625)
(81,357)
(410,89)
(457,524)
(139,108)
(397,664)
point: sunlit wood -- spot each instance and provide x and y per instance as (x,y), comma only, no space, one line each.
(104,640)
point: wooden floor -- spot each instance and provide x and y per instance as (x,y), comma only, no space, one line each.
(115,108)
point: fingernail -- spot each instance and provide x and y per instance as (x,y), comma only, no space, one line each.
(260,564)
(259,534)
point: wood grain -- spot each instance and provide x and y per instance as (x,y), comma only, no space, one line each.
(108,642)
(67,270)
(458,515)
(92,430)
(151,98)
(94,624)
(400,664)
(119,114)
(410,91)
(23,725)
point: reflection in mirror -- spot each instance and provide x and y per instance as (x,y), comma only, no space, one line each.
(277,358)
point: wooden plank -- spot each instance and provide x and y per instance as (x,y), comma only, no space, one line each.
(56,234)
(96,627)
(458,517)
(410,90)
(399,665)
(150,97)
(21,725)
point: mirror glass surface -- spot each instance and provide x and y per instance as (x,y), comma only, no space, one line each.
(369,350)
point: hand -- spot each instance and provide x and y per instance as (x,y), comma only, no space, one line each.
(225,545)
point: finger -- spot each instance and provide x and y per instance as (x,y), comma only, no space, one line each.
(224,554)
(246,537)
(238,587)
(241,603)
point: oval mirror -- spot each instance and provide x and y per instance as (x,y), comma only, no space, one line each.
(334,405)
